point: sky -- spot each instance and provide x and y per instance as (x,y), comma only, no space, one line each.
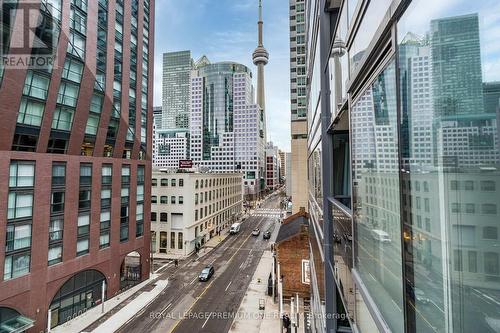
(226,30)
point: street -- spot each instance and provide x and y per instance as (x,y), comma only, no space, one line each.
(188,305)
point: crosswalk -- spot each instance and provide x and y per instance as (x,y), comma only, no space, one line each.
(268,212)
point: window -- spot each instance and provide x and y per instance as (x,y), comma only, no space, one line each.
(488,185)
(21,174)
(140,174)
(181,199)
(18,237)
(72,70)
(106,175)
(489,209)
(85,174)
(105,220)
(181,182)
(57,203)
(76,45)
(154,199)
(164,199)
(172,182)
(56,229)
(58,174)
(179,241)
(490,233)
(106,198)
(92,125)
(82,247)
(491,263)
(153,216)
(470,208)
(140,212)
(164,182)
(154,182)
(83,225)
(55,255)
(36,85)
(84,199)
(126,174)
(196,184)
(124,195)
(20,205)
(30,112)
(68,94)
(63,118)
(172,240)
(469,185)
(16,265)
(140,193)
(172,199)
(163,217)
(104,240)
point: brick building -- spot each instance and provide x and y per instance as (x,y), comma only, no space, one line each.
(292,253)
(75,157)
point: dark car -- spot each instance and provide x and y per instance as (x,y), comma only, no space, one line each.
(266,235)
(206,273)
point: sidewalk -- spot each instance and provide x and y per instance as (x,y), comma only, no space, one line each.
(92,315)
(249,319)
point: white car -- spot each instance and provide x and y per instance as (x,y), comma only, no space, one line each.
(256,232)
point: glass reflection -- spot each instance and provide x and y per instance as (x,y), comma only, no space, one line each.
(376,207)
(450,102)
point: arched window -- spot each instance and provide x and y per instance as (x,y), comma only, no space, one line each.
(13,321)
(81,292)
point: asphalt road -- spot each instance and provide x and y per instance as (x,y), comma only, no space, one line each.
(190,306)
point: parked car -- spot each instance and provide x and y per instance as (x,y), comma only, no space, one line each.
(420,296)
(266,235)
(256,232)
(206,273)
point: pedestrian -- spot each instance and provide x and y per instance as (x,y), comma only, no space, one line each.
(176,263)
(286,323)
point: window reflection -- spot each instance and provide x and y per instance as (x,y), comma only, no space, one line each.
(450,110)
(376,207)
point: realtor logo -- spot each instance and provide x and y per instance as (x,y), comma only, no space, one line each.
(29,34)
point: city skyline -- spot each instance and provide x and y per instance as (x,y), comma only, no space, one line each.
(232,39)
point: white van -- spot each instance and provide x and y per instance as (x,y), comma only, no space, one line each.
(235,228)
(381,236)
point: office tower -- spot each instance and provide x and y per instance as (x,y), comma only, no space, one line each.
(298,56)
(404,176)
(282,156)
(75,165)
(177,68)
(226,125)
(157,117)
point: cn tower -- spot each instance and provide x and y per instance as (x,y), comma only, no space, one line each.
(260,59)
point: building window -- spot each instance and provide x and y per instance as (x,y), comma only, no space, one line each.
(172,240)
(180,241)
(126,174)
(140,193)
(16,265)
(164,182)
(489,209)
(164,199)
(56,229)
(18,237)
(83,225)
(21,174)
(154,199)
(488,185)
(154,182)
(163,217)
(30,112)
(107,172)
(181,182)
(82,247)
(55,255)
(181,199)
(153,216)
(57,203)
(490,233)
(172,199)
(85,175)
(58,175)
(20,205)
(84,199)
(105,198)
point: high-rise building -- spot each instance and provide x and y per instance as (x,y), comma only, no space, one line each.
(273,164)
(177,68)
(288,174)
(157,117)
(227,128)
(282,156)
(403,157)
(75,156)
(298,56)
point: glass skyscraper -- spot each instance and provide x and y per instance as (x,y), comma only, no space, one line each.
(404,167)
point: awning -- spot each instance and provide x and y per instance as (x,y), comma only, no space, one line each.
(16,324)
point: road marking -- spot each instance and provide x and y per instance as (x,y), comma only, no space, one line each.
(206,321)
(193,280)
(228,285)
(163,311)
(207,287)
(162,267)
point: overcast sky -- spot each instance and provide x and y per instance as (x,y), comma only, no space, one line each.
(226,30)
